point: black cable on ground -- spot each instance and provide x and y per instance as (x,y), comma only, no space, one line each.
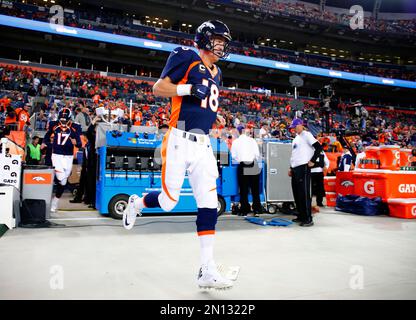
(52,225)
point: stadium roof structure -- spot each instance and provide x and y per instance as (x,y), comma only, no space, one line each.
(167,47)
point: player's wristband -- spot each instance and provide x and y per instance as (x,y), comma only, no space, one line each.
(183,89)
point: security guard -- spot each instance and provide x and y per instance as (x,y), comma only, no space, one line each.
(305,151)
(245,152)
(33,152)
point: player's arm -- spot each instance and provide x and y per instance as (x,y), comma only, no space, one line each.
(175,70)
(47,138)
(166,89)
(76,139)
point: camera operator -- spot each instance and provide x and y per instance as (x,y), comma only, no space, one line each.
(328,102)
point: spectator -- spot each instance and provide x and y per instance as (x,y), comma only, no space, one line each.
(22,116)
(80,118)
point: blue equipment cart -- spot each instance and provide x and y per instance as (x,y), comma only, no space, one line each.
(131,163)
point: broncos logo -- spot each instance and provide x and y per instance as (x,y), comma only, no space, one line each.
(347,183)
(38,179)
(205,24)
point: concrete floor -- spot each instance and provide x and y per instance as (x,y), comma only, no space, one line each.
(342,257)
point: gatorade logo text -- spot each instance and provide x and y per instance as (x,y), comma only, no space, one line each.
(369,187)
(407,188)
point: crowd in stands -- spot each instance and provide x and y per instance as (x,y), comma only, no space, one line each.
(111,22)
(312,11)
(30,99)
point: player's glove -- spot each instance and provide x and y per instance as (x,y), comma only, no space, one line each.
(200,91)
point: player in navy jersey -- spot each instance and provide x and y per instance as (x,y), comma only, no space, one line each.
(66,135)
(192,80)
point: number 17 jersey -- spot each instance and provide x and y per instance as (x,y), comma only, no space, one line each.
(184,66)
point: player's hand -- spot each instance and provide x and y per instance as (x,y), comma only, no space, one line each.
(289,173)
(42,146)
(74,142)
(310,164)
(200,91)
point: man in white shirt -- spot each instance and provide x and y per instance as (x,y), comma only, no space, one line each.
(264,132)
(245,152)
(305,151)
(317,178)
(359,157)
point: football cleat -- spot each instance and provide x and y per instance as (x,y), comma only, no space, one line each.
(131,212)
(210,278)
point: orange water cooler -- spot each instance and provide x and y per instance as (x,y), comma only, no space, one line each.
(405,156)
(344,183)
(371,160)
(389,157)
(329,184)
(331,199)
(402,208)
(386,184)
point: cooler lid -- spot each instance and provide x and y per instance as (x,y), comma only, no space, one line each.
(401,200)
